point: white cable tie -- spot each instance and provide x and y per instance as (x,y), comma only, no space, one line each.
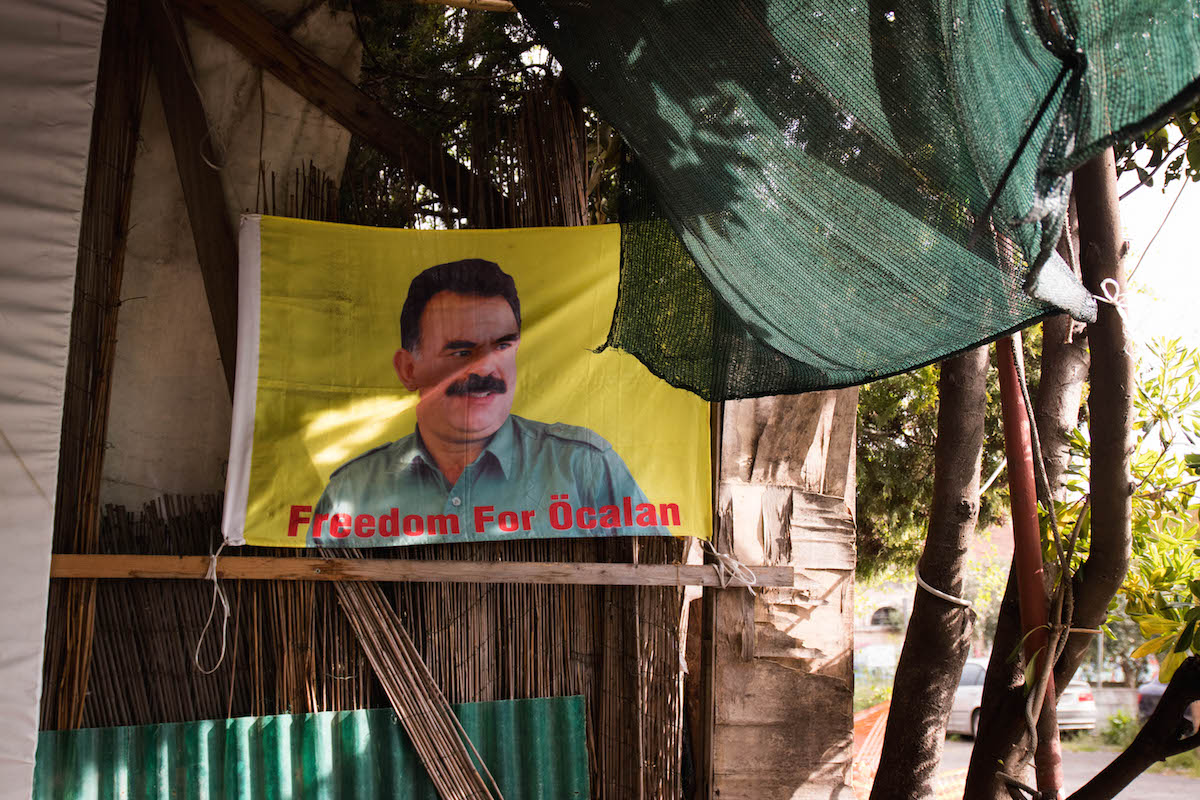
(730,571)
(217,592)
(949,598)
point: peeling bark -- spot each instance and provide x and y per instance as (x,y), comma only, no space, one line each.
(1060,390)
(1065,363)
(939,632)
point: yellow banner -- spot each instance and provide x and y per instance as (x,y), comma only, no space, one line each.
(402,387)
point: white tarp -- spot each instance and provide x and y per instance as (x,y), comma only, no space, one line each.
(49,50)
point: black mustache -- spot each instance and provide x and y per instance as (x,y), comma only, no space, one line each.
(477,383)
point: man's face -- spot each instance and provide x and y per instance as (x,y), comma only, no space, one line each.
(464,366)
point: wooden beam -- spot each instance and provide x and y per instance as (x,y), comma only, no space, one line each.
(399,570)
(320,84)
(216,244)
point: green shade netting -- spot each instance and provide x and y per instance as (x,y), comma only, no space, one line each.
(808,175)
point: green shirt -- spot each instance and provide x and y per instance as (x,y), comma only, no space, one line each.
(532,480)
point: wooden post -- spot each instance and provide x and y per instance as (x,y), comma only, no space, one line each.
(212,231)
(706,737)
(1027,555)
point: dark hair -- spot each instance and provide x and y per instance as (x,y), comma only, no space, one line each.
(471,276)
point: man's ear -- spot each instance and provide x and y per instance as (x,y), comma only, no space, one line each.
(405,369)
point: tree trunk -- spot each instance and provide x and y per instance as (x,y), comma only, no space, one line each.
(1059,393)
(1002,745)
(1110,405)
(939,631)
(1065,364)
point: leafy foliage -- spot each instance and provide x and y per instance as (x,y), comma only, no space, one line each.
(1175,146)
(469,82)
(1161,593)
(1120,730)
(897,428)
(439,70)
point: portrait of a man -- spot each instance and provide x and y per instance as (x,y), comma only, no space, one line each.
(473,470)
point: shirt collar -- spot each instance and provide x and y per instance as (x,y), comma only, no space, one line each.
(411,450)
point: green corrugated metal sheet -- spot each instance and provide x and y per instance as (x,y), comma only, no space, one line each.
(534,748)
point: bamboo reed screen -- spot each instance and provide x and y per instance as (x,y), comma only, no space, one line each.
(290,648)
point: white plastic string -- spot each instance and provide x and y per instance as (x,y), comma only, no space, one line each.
(217,592)
(949,598)
(730,571)
(1114,297)
(1112,294)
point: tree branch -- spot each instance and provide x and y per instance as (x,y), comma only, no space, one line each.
(1157,740)
(1001,740)
(1110,404)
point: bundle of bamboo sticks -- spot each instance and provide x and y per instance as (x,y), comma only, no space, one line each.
(423,710)
(120,91)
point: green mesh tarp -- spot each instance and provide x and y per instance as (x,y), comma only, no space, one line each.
(804,208)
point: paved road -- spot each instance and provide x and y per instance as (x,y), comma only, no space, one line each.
(1078,767)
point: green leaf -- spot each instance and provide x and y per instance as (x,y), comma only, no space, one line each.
(1152,646)
(1016,651)
(1031,670)
(1185,638)
(1168,666)
(1155,625)
(1193,153)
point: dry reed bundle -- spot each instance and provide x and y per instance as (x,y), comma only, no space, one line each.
(423,710)
(306,194)
(120,92)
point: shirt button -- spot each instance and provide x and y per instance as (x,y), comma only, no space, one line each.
(456,501)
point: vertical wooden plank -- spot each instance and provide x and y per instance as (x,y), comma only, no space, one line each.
(706,736)
(212,231)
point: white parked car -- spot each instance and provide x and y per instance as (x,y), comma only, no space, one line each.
(1076,707)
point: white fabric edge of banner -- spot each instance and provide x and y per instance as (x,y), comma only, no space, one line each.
(245,381)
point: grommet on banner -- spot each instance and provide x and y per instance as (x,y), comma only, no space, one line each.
(218,592)
(730,571)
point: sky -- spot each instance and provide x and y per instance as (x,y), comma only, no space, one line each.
(1167,282)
